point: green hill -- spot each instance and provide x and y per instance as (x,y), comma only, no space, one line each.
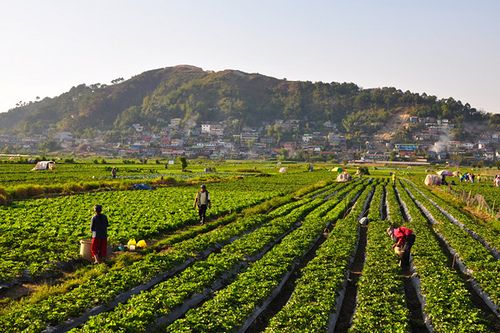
(154,97)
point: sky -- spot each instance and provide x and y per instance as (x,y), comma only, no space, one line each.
(446,48)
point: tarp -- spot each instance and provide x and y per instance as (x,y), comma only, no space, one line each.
(432,180)
(44,165)
(141,186)
(337,169)
(445,173)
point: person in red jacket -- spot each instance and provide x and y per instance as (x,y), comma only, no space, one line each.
(404,238)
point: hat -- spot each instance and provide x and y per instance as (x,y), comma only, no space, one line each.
(203,186)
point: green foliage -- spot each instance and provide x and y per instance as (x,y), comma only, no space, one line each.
(184,163)
(155,97)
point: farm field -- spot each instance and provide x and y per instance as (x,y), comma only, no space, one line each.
(280,253)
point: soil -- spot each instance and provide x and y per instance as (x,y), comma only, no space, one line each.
(17,291)
(391,126)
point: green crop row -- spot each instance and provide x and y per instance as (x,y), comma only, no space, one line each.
(487,231)
(480,263)
(394,213)
(380,302)
(314,296)
(232,305)
(137,314)
(447,300)
(102,289)
(38,235)
(486,189)
(105,287)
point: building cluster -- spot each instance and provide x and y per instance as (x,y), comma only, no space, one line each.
(280,138)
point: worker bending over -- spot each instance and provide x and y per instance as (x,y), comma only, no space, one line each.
(404,238)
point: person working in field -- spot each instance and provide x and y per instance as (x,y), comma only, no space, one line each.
(393,179)
(99,229)
(404,238)
(202,202)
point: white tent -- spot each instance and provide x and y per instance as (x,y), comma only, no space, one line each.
(344,177)
(432,180)
(445,173)
(45,165)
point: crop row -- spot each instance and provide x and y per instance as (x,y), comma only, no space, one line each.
(380,300)
(108,285)
(480,263)
(313,298)
(37,235)
(394,213)
(486,189)
(105,287)
(485,231)
(162,301)
(446,298)
(234,305)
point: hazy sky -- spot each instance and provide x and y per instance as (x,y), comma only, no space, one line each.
(441,47)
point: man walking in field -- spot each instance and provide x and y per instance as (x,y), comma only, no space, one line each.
(404,238)
(99,229)
(202,202)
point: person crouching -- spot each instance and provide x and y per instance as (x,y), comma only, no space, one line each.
(99,229)
(404,238)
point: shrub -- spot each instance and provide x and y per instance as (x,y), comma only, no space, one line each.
(26,191)
(4,197)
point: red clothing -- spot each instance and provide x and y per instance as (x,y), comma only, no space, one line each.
(401,235)
(99,247)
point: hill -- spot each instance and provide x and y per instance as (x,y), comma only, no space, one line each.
(155,97)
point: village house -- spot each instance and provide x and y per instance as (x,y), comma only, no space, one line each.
(212,129)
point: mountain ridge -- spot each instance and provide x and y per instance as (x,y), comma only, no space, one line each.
(195,95)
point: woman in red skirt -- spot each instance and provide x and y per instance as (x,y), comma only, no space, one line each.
(99,229)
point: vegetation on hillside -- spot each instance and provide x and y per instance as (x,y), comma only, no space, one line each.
(154,97)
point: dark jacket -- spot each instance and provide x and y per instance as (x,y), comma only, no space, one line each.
(99,226)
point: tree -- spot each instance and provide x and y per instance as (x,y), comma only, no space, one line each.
(117,80)
(283,154)
(184,163)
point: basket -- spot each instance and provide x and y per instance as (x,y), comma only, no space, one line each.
(85,249)
(85,245)
(399,251)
